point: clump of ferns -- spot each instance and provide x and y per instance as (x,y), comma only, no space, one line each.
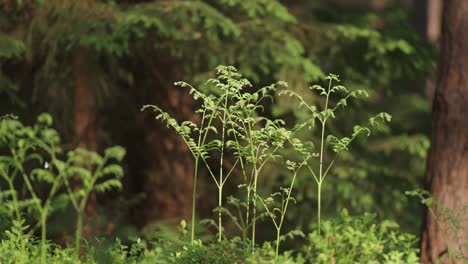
(34,158)
(252,139)
(231,123)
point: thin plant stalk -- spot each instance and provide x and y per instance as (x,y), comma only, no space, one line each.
(201,140)
(221,178)
(323,117)
(14,196)
(195,181)
(322,143)
(253,186)
(79,228)
(254,207)
(256,172)
(194,199)
(284,208)
(43,234)
(247,212)
(250,186)
(248,189)
(83,202)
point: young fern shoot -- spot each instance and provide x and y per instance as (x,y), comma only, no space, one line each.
(251,138)
(336,144)
(228,82)
(96,174)
(255,141)
(277,213)
(197,137)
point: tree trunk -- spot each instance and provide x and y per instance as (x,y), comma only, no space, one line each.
(433,22)
(168,178)
(447,171)
(84,119)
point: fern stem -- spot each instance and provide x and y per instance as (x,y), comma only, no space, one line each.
(220,225)
(278,231)
(322,143)
(43,236)
(194,200)
(79,224)
(15,198)
(79,230)
(247,211)
(319,204)
(221,178)
(254,208)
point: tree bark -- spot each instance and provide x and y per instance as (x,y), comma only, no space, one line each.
(168,176)
(447,169)
(84,120)
(84,107)
(433,22)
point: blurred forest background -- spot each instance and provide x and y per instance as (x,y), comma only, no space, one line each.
(92,64)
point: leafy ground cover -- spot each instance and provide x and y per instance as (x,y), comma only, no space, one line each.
(233,139)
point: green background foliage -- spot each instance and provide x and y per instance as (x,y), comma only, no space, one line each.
(133,48)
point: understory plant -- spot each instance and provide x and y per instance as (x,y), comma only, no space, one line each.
(32,160)
(245,135)
(276,208)
(360,239)
(231,135)
(96,173)
(232,124)
(335,97)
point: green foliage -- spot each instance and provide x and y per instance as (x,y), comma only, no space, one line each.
(296,41)
(336,144)
(251,138)
(10,47)
(377,52)
(95,174)
(232,125)
(449,221)
(349,239)
(254,140)
(111,34)
(34,161)
(177,250)
(225,252)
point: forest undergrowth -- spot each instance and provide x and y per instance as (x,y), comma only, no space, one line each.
(232,140)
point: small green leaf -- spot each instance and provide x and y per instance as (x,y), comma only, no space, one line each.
(113,169)
(116,152)
(45,119)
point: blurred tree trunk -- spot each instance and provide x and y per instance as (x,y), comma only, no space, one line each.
(432,35)
(84,118)
(447,171)
(84,108)
(434,12)
(168,163)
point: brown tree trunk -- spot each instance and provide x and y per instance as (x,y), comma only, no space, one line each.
(434,12)
(84,108)
(433,30)
(84,119)
(447,171)
(168,178)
